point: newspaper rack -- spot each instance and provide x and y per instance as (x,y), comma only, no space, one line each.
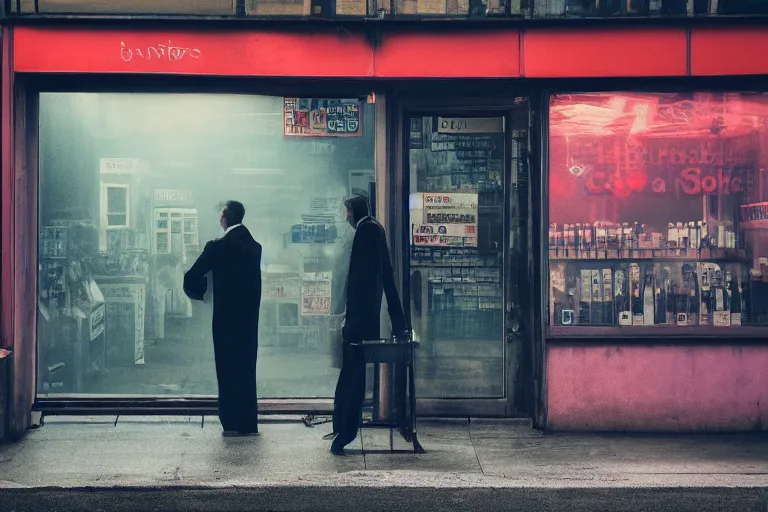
(399,354)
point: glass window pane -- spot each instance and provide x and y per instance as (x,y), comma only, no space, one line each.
(116,220)
(117,199)
(142,335)
(657,210)
(162,242)
(456,218)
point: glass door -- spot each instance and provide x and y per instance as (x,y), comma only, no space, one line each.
(463,232)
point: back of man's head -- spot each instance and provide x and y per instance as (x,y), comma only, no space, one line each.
(234,211)
(358,205)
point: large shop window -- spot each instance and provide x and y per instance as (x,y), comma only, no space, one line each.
(130,190)
(658,211)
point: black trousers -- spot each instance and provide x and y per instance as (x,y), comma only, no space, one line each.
(236,377)
(349,396)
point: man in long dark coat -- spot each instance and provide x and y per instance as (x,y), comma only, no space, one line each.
(235,262)
(370,277)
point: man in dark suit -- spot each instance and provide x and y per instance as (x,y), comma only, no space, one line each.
(370,276)
(235,262)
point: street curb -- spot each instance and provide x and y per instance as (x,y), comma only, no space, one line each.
(324,499)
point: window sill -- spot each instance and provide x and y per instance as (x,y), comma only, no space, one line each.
(656,331)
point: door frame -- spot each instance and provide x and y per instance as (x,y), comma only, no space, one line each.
(518,374)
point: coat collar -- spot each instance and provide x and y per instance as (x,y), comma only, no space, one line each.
(230,228)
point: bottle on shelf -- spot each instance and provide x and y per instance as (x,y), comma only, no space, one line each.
(672,237)
(658,244)
(625,243)
(607,302)
(660,288)
(704,235)
(718,291)
(612,240)
(730,236)
(687,297)
(601,240)
(636,236)
(722,242)
(636,301)
(669,292)
(576,240)
(721,315)
(706,297)
(589,239)
(682,237)
(695,236)
(735,302)
(622,298)
(649,313)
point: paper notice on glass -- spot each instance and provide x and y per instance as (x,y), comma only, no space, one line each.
(316,293)
(447,220)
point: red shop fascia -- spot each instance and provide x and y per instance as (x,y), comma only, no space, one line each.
(537,58)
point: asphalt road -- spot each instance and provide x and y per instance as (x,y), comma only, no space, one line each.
(391,499)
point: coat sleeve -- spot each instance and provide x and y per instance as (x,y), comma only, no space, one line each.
(363,280)
(195,281)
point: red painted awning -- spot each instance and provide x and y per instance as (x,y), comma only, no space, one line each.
(490,53)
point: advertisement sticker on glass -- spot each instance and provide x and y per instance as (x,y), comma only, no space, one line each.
(322,117)
(316,293)
(447,220)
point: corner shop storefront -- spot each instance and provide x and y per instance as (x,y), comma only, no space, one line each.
(126,169)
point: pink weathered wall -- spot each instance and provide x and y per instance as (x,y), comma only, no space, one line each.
(657,388)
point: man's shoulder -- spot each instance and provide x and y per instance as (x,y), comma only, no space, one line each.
(250,236)
(370,229)
(370,225)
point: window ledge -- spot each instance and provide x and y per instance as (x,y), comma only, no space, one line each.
(656,331)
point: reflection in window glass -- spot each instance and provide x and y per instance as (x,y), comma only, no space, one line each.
(658,210)
(456,254)
(130,191)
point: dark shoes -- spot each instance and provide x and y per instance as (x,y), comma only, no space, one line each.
(337,447)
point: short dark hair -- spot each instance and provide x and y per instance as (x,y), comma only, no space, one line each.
(234,211)
(358,205)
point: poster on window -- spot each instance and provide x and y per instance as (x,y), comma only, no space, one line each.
(316,293)
(448,220)
(280,286)
(322,117)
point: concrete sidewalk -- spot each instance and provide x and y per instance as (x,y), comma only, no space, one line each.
(481,460)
